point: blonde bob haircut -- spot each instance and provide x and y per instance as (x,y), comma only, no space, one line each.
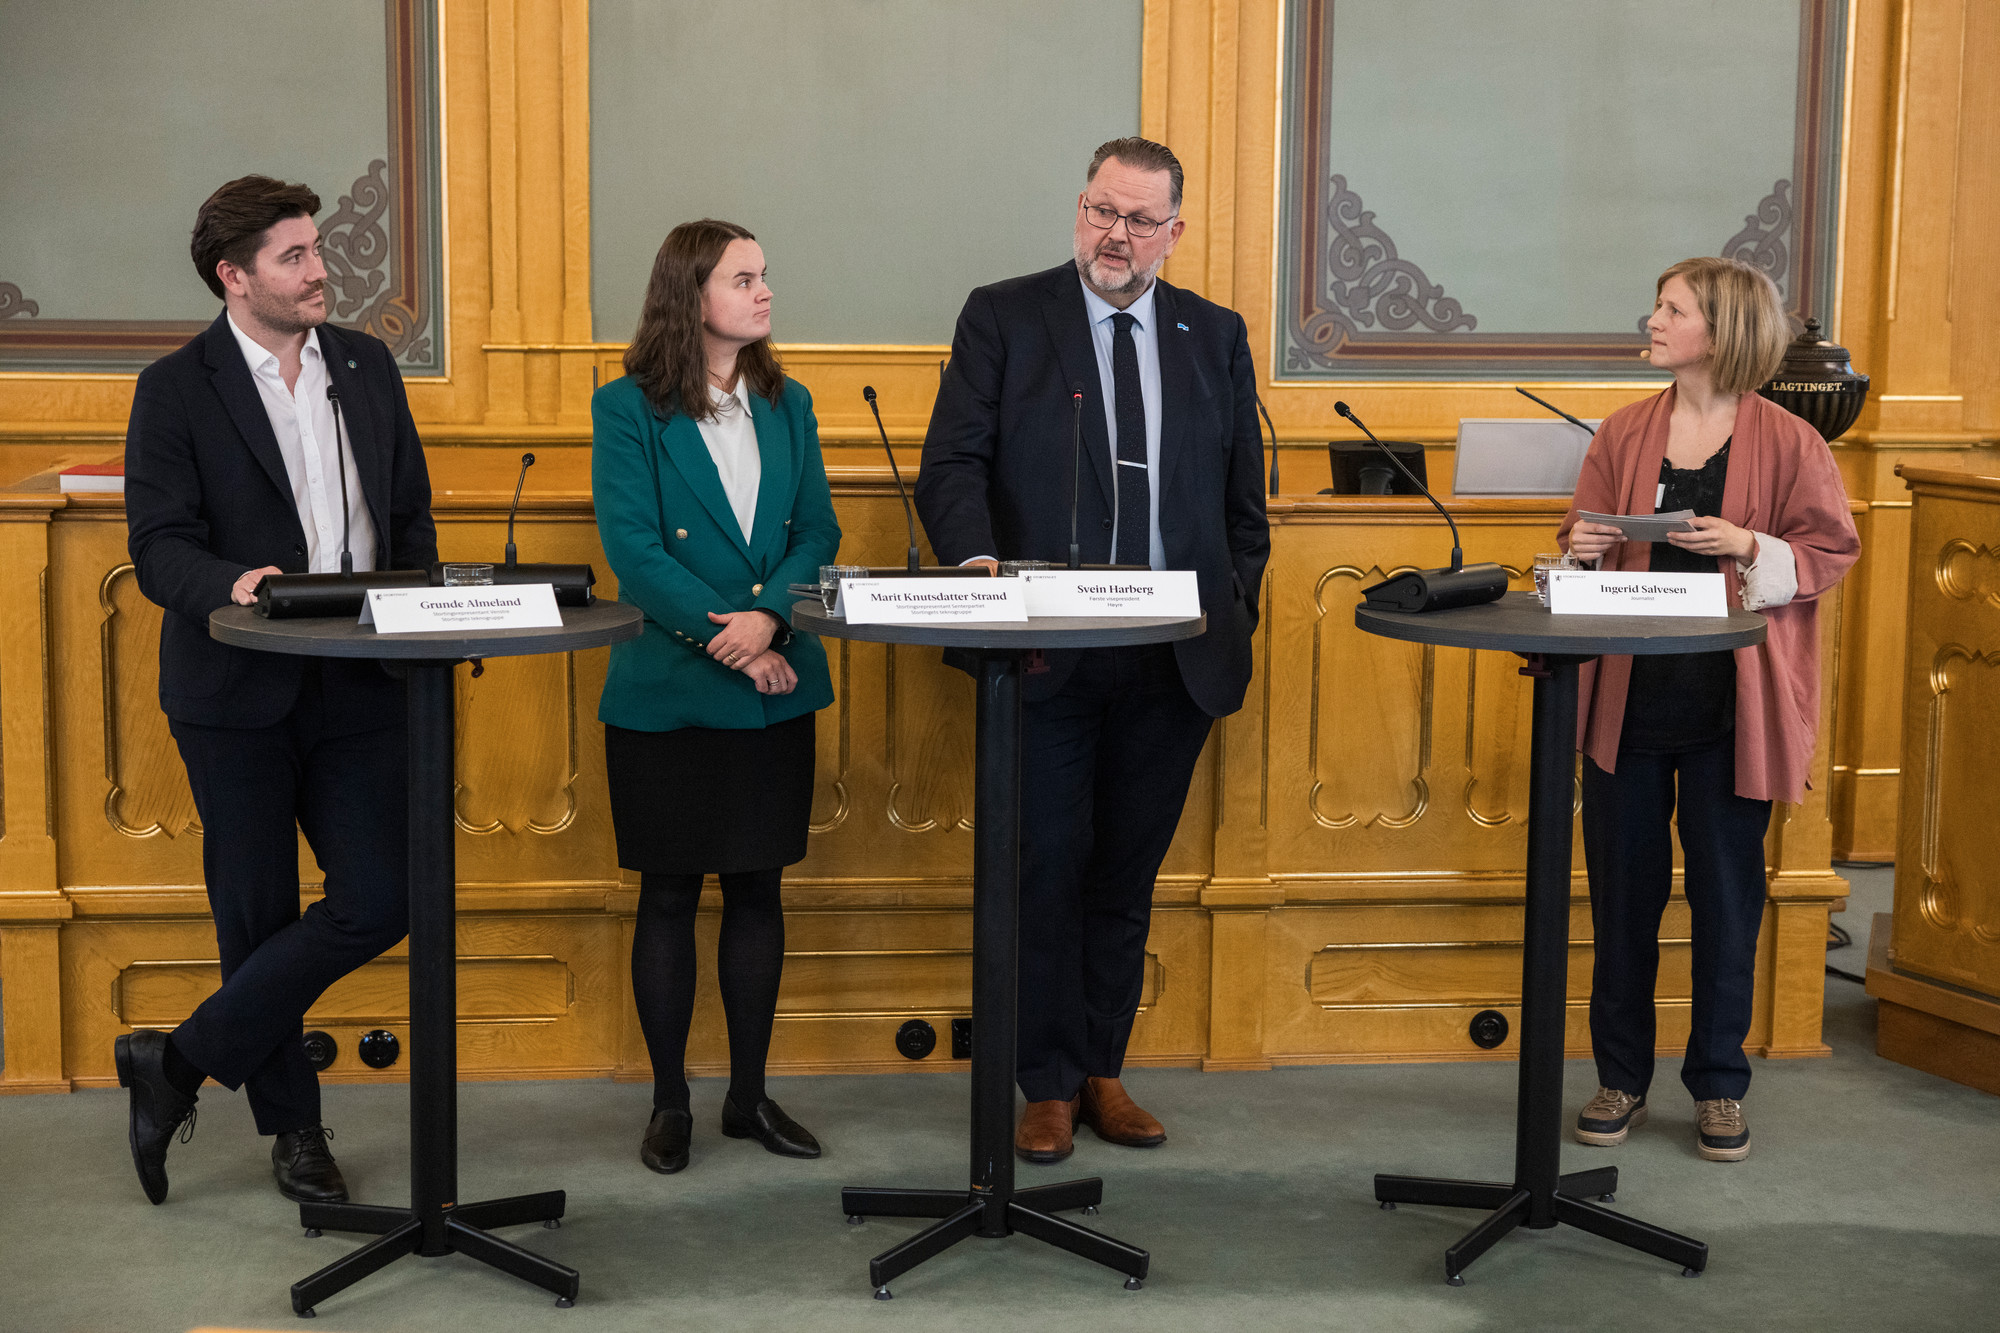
(1747,327)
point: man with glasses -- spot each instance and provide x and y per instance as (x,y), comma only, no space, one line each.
(1172,480)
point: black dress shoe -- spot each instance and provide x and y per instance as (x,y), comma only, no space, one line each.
(770,1126)
(665,1147)
(159,1110)
(304,1167)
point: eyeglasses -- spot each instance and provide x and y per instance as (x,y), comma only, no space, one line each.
(1136,226)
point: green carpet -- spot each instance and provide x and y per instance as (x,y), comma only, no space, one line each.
(1869,1203)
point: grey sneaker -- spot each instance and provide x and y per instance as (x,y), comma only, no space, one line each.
(1608,1117)
(1724,1133)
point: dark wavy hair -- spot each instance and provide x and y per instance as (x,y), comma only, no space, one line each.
(231,222)
(666,357)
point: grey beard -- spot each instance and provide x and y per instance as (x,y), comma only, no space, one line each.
(1086,262)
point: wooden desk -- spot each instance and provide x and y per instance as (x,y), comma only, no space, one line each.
(1346,884)
(1935,965)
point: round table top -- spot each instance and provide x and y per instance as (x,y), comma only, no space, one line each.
(1519,623)
(812,617)
(339,636)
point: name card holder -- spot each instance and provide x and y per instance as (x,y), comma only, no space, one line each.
(1588,592)
(926,601)
(476,606)
(1158,594)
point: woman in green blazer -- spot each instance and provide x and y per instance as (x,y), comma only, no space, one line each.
(706,515)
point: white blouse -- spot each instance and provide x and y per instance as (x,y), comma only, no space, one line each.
(731,437)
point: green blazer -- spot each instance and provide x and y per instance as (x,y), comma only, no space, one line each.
(679,553)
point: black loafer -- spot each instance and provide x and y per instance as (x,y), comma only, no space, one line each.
(770,1126)
(665,1147)
(304,1167)
(158,1110)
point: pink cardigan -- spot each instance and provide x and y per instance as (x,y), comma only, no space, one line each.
(1782,482)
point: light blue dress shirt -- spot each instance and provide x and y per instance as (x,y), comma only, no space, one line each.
(1146,341)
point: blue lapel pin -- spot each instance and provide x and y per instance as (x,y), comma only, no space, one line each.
(1182,327)
(351,366)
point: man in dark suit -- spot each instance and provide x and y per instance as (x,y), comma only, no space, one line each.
(272,443)
(1173,480)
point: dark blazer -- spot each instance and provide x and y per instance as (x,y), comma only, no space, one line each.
(996,469)
(679,554)
(207,499)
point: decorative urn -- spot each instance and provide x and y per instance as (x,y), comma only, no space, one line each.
(1817,382)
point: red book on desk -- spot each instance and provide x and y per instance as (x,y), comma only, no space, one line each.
(94,477)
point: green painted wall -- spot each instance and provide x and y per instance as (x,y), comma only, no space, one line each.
(890,154)
(118,118)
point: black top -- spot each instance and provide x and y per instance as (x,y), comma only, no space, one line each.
(1518,623)
(1683,701)
(207,497)
(997,458)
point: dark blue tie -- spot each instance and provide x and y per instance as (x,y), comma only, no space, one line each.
(1135,491)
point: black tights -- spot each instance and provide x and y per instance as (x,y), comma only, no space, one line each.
(749,959)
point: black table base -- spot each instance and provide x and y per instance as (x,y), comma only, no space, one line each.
(1539,1196)
(434,1223)
(991,1206)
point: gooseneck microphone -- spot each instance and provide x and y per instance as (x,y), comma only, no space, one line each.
(527,461)
(1592,430)
(1431,589)
(909,514)
(1265,413)
(1075,470)
(340,466)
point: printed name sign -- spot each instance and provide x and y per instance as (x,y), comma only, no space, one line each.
(1586,592)
(1063,592)
(481,606)
(930,601)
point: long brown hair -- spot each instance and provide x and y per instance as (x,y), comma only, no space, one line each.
(667,358)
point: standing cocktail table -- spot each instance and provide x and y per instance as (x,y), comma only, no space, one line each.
(1539,1196)
(990,1205)
(435,1223)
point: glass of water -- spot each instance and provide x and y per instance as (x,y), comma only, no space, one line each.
(830,577)
(1012,569)
(467,576)
(1545,563)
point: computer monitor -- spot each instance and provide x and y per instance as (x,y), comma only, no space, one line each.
(1360,469)
(1518,456)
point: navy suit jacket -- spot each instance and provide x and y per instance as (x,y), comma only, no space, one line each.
(207,499)
(996,468)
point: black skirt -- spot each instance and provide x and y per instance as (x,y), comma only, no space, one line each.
(711,802)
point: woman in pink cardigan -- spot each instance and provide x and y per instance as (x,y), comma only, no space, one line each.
(1704,740)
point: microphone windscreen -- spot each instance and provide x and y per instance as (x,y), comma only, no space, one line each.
(868,393)
(1342,409)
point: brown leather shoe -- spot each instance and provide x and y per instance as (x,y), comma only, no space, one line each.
(1047,1132)
(1108,1109)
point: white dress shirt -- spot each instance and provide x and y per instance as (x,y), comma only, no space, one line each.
(731,437)
(302,419)
(1145,341)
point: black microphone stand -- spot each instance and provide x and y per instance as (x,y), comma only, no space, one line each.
(1075,471)
(909,515)
(1431,589)
(527,461)
(1587,429)
(340,466)
(1265,413)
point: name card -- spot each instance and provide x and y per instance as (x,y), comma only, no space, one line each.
(1063,592)
(930,601)
(482,606)
(1586,592)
